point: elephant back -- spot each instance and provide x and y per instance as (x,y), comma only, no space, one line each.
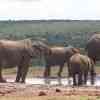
(28,48)
(58,50)
(95,37)
(25,46)
(27,43)
(81,61)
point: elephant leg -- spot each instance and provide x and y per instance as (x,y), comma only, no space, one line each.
(85,77)
(47,71)
(60,70)
(25,70)
(1,77)
(69,70)
(80,81)
(19,73)
(74,79)
(92,74)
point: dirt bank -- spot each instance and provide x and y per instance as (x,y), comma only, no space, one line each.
(17,89)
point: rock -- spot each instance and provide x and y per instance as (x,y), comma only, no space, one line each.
(58,90)
(41,93)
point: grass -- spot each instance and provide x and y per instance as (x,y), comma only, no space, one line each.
(51,98)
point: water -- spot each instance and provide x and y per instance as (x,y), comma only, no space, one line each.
(55,81)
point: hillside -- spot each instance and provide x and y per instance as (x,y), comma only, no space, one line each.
(55,32)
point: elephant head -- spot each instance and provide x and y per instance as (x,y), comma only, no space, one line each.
(31,48)
(70,50)
(42,48)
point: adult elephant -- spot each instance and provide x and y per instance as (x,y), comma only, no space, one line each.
(56,56)
(17,53)
(80,65)
(93,47)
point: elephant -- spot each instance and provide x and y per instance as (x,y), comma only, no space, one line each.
(81,65)
(93,47)
(17,53)
(56,56)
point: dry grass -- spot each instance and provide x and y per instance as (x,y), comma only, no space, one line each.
(50,98)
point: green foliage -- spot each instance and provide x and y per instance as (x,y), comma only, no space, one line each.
(55,32)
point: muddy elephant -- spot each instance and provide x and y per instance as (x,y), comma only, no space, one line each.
(80,66)
(17,53)
(93,47)
(56,56)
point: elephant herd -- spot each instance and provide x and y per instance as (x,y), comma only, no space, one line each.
(19,53)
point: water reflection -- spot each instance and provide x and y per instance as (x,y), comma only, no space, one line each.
(56,81)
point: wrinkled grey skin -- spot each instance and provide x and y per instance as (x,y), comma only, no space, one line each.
(93,47)
(81,65)
(56,56)
(17,53)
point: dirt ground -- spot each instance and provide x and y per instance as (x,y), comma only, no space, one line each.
(18,89)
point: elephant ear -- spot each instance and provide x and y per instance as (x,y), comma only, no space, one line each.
(28,48)
(48,51)
(43,48)
(76,50)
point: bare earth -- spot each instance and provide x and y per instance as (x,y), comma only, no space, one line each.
(26,90)
(17,89)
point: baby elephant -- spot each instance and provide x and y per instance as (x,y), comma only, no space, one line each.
(80,65)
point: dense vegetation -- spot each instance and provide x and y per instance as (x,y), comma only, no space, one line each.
(53,32)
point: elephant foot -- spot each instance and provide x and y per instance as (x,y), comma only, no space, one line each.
(92,82)
(69,81)
(17,81)
(47,81)
(80,84)
(46,76)
(22,81)
(2,80)
(74,84)
(59,75)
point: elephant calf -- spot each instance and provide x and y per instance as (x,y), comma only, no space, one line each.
(80,65)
